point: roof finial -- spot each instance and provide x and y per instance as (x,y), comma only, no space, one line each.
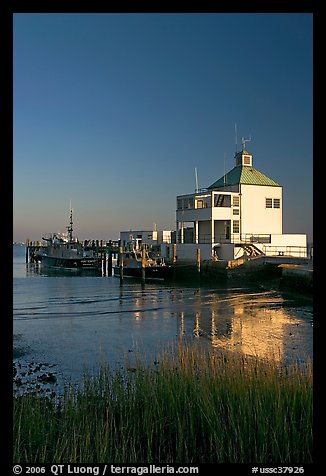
(243,141)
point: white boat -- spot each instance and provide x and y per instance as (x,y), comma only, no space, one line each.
(64,251)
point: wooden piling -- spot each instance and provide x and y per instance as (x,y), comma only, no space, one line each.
(109,262)
(120,258)
(143,264)
(27,251)
(198,260)
(174,260)
(103,257)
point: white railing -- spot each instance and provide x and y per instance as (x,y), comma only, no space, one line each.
(250,238)
(231,238)
(277,250)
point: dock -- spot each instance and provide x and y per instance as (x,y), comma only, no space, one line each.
(279,272)
(284,271)
(297,276)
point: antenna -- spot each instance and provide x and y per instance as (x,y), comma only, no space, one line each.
(224,168)
(70,228)
(196,177)
(236,137)
(243,141)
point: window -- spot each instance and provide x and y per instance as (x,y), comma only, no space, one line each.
(236,226)
(187,203)
(179,203)
(203,201)
(236,201)
(222,200)
(236,211)
(246,159)
(273,203)
(191,203)
(269,203)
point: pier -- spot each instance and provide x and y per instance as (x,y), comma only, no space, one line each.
(282,272)
(287,271)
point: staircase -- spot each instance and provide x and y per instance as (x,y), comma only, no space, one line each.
(252,252)
(251,249)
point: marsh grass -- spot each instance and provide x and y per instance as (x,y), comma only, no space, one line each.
(190,407)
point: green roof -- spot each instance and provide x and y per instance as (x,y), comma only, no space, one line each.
(246,175)
(242,152)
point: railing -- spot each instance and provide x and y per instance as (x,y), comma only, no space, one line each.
(296,251)
(250,238)
(229,238)
(202,239)
(205,238)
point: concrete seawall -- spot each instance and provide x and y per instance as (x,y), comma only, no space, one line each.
(277,272)
(298,277)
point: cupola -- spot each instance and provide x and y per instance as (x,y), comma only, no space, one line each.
(243,157)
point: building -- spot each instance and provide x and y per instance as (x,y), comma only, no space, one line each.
(150,238)
(239,215)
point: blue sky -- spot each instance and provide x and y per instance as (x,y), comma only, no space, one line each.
(114,112)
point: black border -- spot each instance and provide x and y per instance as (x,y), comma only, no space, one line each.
(8,10)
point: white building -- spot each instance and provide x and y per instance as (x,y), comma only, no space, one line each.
(239,214)
(145,237)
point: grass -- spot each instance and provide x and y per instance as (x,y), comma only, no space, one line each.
(191,407)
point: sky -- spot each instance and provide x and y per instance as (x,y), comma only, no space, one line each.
(113,112)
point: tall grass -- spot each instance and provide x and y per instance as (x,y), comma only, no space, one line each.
(191,407)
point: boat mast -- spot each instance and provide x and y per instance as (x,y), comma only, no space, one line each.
(70,229)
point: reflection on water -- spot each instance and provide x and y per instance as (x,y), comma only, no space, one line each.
(257,324)
(81,321)
(37,269)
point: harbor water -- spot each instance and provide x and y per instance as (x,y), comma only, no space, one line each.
(66,325)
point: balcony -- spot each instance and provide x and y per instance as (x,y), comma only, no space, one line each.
(233,238)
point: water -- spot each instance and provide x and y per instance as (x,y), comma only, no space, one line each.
(64,325)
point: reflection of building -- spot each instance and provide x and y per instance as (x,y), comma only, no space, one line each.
(247,327)
(261,335)
(241,213)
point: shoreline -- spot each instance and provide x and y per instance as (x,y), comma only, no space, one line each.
(189,406)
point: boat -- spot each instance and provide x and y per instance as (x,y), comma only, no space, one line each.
(138,262)
(64,251)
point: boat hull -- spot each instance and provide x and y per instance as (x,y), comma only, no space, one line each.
(71,263)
